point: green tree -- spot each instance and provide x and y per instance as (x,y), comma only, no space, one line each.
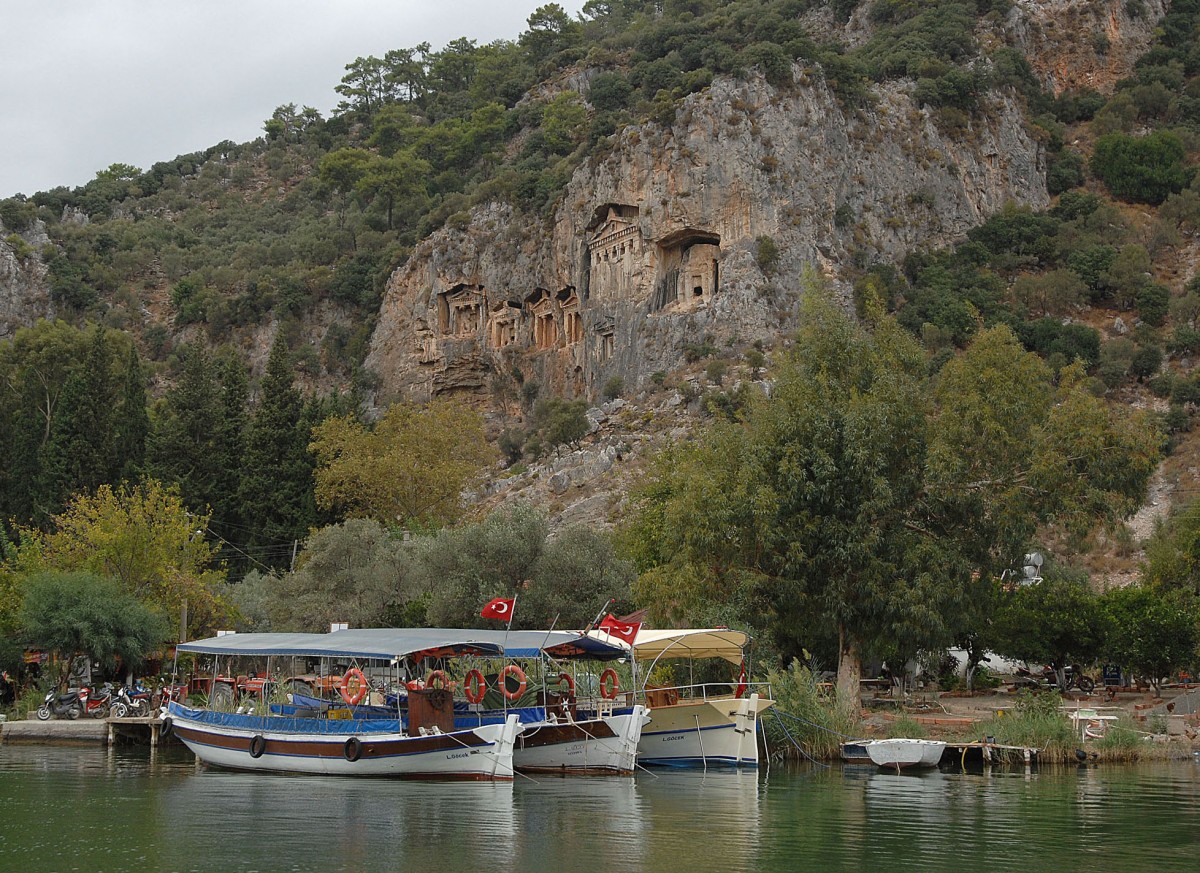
(144,538)
(357,571)
(182,445)
(80,453)
(1056,622)
(131,427)
(276,484)
(411,469)
(1151,632)
(82,612)
(1141,169)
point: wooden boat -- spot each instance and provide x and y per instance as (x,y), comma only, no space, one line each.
(354,746)
(697,724)
(558,734)
(903,753)
(550,735)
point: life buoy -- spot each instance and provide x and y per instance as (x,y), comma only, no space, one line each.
(609,684)
(474,686)
(437,676)
(353,686)
(570,680)
(353,749)
(512,670)
(258,745)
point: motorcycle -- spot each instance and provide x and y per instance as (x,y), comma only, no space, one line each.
(60,705)
(131,703)
(1073,674)
(96,702)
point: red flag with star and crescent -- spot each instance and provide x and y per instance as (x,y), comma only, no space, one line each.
(623,630)
(500,607)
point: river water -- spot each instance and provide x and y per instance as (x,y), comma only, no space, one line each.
(125,810)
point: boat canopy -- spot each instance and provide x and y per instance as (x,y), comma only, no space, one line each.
(651,645)
(415,643)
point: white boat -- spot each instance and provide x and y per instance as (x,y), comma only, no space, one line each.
(370,746)
(697,724)
(556,737)
(344,747)
(903,753)
(418,736)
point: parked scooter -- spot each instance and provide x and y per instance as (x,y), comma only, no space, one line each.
(1047,678)
(66,705)
(129,703)
(96,701)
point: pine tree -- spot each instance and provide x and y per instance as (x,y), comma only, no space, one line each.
(227,521)
(132,426)
(81,452)
(182,445)
(276,483)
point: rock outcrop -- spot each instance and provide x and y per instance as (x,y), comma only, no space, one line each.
(699,233)
(24,279)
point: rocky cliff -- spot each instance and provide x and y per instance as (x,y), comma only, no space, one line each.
(699,232)
(24,279)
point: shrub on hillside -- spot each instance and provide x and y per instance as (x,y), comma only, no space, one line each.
(1141,169)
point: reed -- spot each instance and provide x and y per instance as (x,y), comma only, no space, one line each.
(1036,722)
(807,714)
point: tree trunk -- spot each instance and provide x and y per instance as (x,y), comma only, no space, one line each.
(849,670)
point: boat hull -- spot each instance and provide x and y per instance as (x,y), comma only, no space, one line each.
(350,748)
(694,733)
(595,747)
(901,754)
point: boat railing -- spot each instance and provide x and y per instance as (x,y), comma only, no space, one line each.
(667,695)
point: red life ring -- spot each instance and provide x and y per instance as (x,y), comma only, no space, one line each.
(609,684)
(512,670)
(437,676)
(474,686)
(570,680)
(354,677)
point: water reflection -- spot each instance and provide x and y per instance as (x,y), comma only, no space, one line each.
(63,808)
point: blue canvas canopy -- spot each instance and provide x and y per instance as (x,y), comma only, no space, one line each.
(416,643)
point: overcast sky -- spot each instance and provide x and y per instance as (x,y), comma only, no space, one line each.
(89,83)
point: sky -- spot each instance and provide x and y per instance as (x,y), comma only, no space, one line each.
(88,83)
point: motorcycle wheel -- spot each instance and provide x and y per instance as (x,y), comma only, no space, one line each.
(74,712)
(43,713)
(99,712)
(119,710)
(1087,684)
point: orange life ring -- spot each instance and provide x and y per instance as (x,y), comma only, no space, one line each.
(354,677)
(609,684)
(512,670)
(570,680)
(437,676)
(474,686)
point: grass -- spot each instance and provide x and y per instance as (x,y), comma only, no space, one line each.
(806,714)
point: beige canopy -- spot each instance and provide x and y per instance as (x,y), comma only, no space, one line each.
(650,645)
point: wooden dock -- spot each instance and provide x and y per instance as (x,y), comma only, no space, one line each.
(983,752)
(83,731)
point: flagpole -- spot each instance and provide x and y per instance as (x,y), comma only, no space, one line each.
(511,615)
(596,620)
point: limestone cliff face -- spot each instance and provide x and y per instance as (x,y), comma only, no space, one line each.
(666,241)
(1078,44)
(24,279)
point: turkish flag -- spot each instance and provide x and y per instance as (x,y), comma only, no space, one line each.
(626,631)
(501,608)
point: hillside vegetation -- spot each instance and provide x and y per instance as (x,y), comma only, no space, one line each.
(170,283)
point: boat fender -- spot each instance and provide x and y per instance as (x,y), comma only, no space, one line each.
(353,686)
(512,670)
(165,730)
(258,745)
(438,676)
(352,749)
(474,686)
(609,684)
(570,681)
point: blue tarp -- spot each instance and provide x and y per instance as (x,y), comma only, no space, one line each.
(261,723)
